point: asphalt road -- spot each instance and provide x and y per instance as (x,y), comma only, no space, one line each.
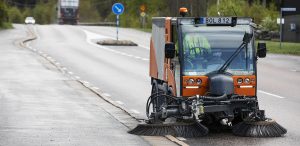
(122,73)
(39,105)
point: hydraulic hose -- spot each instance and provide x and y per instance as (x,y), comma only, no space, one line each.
(216,98)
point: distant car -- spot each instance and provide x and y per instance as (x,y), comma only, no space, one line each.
(29,20)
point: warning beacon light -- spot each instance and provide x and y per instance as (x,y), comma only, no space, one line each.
(183,11)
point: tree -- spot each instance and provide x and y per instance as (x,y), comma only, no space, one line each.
(3,14)
(15,15)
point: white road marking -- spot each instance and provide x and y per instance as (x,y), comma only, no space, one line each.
(181,138)
(64,68)
(57,63)
(93,36)
(77,77)
(71,73)
(85,82)
(135,111)
(270,94)
(95,88)
(106,94)
(119,102)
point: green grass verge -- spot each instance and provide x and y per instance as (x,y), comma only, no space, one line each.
(6,26)
(144,29)
(287,48)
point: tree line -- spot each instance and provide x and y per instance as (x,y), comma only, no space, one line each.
(44,11)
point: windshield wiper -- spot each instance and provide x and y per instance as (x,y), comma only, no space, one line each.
(246,39)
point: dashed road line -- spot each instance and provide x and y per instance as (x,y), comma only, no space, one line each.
(86,82)
(106,94)
(95,88)
(270,94)
(119,102)
(135,111)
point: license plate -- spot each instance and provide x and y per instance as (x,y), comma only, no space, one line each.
(218,20)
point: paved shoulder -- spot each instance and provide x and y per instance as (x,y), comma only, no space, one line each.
(41,106)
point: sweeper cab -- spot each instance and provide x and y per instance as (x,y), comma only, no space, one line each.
(204,77)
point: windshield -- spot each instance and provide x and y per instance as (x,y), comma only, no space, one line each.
(29,18)
(69,12)
(206,49)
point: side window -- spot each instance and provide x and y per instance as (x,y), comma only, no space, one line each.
(175,39)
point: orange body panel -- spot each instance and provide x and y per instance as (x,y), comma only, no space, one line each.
(168,72)
(240,88)
(201,90)
(243,89)
(153,64)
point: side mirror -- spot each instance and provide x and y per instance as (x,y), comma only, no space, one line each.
(170,50)
(261,50)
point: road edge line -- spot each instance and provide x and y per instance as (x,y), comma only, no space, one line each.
(176,140)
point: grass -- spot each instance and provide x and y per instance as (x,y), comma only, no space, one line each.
(6,25)
(144,29)
(287,48)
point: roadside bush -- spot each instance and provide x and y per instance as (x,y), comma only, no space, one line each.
(264,16)
(15,15)
(256,11)
(3,14)
(87,12)
(228,8)
(44,13)
(269,24)
(27,12)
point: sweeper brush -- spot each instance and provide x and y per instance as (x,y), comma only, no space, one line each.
(188,130)
(266,128)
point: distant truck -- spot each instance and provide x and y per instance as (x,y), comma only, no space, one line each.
(68,11)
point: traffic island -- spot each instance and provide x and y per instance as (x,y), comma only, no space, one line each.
(112,42)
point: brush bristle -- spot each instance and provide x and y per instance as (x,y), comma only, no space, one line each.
(153,130)
(191,130)
(176,129)
(267,128)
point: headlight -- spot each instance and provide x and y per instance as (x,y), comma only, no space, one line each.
(247,80)
(239,80)
(198,81)
(191,81)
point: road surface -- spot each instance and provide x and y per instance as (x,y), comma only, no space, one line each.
(122,73)
(41,106)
